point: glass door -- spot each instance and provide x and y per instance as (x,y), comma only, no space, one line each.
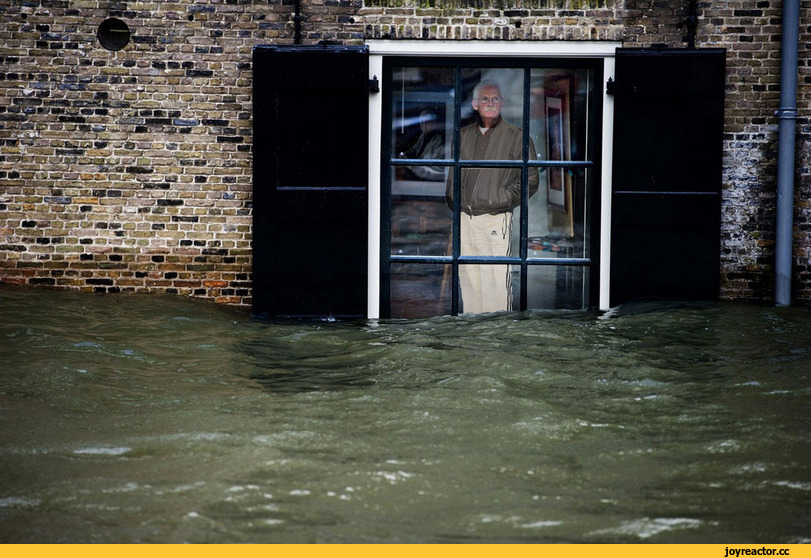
(488,185)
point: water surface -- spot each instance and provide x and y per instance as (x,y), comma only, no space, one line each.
(144,418)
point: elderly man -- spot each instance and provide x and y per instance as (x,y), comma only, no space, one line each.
(488,197)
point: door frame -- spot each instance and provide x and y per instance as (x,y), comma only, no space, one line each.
(378,49)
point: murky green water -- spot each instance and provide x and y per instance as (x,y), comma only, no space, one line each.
(161,419)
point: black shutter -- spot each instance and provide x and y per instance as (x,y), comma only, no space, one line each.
(666,200)
(310,185)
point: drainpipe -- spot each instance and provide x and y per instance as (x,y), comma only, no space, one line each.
(787,114)
(297,23)
(692,23)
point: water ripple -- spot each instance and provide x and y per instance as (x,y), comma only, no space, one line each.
(163,419)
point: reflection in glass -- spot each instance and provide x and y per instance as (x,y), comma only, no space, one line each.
(422,118)
(420,219)
(422,128)
(547,237)
(420,290)
(430,144)
(559,118)
(557,287)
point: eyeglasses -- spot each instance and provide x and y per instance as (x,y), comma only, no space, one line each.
(487,100)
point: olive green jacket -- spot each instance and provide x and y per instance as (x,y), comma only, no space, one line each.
(492,190)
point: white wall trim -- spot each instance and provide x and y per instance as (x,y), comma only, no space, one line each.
(605,187)
(497,49)
(375,147)
(546,49)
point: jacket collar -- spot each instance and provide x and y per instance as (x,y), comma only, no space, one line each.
(480,124)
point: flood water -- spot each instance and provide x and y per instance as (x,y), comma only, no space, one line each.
(145,418)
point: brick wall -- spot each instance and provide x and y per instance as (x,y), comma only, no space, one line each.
(752,32)
(534,20)
(131,170)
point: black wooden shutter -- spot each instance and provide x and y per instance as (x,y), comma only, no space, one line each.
(310,182)
(666,200)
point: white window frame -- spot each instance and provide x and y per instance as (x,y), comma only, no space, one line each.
(378,49)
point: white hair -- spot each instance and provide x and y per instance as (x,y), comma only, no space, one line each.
(483,84)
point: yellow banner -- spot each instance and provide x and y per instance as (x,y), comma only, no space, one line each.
(411,551)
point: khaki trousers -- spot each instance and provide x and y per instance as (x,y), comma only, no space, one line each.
(485,287)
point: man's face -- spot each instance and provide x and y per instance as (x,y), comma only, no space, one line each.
(489,103)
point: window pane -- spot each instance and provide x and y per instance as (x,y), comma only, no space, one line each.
(560,228)
(489,94)
(420,290)
(486,288)
(557,287)
(559,121)
(422,117)
(489,191)
(420,220)
(559,113)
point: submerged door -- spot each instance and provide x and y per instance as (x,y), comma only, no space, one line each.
(310,181)
(666,203)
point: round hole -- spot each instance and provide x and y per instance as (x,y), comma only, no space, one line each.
(114,34)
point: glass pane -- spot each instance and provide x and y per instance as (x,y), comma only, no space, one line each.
(557,287)
(491,190)
(491,212)
(420,222)
(559,122)
(422,117)
(561,230)
(486,288)
(490,94)
(559,113)
(420,290)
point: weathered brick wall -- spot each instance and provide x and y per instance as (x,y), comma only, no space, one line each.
(534,20)
(131,170)
(751,33)
(127,170)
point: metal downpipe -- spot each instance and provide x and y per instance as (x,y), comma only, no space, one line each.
(297,17)
(787,115)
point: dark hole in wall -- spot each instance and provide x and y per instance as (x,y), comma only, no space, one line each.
(113,34)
